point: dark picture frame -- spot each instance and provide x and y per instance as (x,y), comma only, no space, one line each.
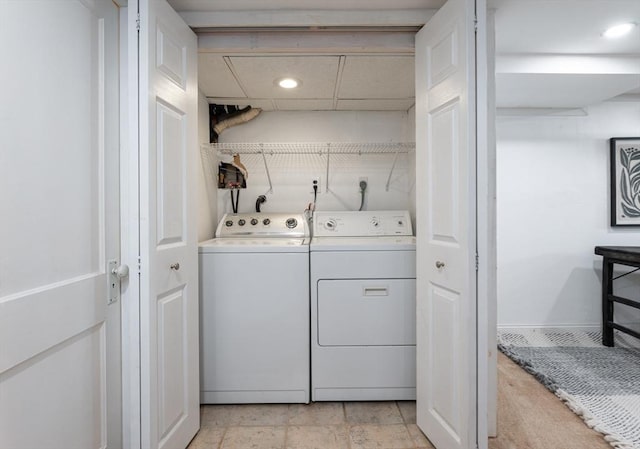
(625,181)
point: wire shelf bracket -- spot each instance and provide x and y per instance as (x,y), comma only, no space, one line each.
(266,169)
(393,166)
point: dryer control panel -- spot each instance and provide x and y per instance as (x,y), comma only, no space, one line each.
(361,223)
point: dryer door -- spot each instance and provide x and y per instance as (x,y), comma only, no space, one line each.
(366,312)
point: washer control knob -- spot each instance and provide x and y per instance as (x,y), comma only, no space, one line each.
(254,221)
(330,224)
(228,223)
(266,222)
(291,223)
(241,222)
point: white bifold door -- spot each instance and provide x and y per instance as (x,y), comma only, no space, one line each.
(59,228)
(447,406)
(170,408)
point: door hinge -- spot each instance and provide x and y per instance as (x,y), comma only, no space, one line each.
(139,264)
(477,261)
(138,22)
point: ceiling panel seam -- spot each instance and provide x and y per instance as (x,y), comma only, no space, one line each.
(336,88)
(227,60)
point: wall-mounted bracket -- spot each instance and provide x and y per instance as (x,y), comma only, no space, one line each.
(393,166)
(266,168)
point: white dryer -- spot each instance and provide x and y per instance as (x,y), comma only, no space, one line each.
(363,306)
(254,310)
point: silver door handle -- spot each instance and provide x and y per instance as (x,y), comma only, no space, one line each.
(439,264)
(175,266)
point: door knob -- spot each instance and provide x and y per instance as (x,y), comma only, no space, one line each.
(439,264)
(121,271)
(116,273)
(175,266)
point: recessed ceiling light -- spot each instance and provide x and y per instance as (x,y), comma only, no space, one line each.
(619,30)
(288,83)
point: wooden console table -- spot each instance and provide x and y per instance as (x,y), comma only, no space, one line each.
(622,255)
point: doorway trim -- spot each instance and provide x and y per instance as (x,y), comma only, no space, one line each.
(130,225)
(486,225)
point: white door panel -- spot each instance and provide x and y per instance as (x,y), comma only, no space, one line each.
(169,296)
(59,171)
(47,406)
(445,158)
(171,151)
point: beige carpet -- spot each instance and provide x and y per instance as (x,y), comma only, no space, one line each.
(531,417)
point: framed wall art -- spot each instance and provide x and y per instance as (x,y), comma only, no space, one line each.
(625,181)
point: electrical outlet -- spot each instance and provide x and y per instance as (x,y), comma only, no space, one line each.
(315,181)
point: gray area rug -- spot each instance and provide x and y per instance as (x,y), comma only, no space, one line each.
(600,384)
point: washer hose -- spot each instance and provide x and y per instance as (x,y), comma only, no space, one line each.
(234,203)
(261,199)
(363,187)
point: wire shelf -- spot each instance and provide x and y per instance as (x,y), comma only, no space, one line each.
(312,148)
(317,148)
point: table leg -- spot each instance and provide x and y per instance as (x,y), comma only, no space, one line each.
(607,305)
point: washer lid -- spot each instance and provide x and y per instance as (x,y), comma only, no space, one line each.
(384,243)
(254,245)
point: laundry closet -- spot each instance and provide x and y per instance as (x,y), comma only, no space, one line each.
(343,141)
(346,144)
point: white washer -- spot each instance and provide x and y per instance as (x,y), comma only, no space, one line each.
(254,310)
(363,306)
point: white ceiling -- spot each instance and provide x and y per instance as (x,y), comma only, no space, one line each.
(549,53)
(565,26)
(329,82)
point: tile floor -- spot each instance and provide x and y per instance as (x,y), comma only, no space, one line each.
(319,425)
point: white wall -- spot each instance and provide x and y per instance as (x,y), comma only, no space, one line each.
(292,175)
(553,209)
(207,195)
